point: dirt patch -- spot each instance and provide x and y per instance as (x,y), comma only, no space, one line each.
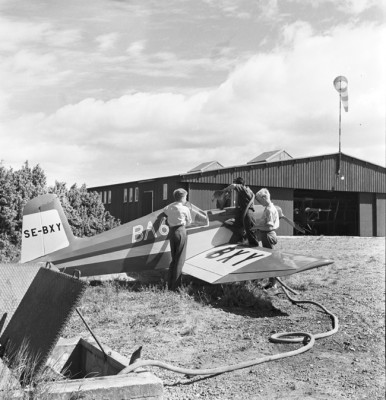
(195,331)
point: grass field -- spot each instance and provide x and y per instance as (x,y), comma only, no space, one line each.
(205,327)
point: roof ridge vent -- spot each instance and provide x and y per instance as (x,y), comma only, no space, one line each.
(207,166)
(271,156)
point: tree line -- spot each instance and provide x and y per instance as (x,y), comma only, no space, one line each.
(85,211)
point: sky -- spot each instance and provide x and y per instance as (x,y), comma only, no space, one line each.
(99,92)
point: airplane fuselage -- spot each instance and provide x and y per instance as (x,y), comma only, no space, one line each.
(140,245)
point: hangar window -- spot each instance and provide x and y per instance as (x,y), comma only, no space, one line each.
(165,191)
(136,195)
(125,195)
(109,197)
(130,195)
(104,197)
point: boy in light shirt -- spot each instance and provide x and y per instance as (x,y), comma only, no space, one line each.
(178,217)
(267,225)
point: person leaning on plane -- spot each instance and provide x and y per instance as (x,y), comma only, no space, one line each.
(267,225)
(246,209)
(178,216)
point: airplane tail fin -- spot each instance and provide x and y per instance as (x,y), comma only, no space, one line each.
(45,228)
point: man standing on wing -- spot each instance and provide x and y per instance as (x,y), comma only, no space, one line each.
(246,209)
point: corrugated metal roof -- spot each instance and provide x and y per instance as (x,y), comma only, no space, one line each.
(315,173)
(206,166)
(294,160)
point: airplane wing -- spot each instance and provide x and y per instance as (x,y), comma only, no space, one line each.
(234,263)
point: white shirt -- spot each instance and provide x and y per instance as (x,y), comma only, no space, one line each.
(270,218)
(178,214)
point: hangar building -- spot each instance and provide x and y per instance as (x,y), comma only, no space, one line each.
(332,194)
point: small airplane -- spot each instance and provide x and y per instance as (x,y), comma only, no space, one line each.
(213,254)
(316,210)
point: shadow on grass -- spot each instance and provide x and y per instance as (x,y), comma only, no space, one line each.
(241,298)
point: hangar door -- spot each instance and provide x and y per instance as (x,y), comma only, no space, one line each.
(147,202)
(327,213)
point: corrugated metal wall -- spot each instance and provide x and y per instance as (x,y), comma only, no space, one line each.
(380,201)
(366,214)
(201,195)
(358,177)
(283,198)
(132,209)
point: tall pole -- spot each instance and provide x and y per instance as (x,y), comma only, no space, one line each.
(340,84)
(340,131)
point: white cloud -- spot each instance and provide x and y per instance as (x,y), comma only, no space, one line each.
(287,97)
(31,58)
(269,9)
(107,41)
(15,34)
(351,7)
(26,70)
(136,49)
(279,99)
(244,10)
(296,32)
(357,6)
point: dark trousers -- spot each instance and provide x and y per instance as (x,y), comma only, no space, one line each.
(268,239)
(249,224)
(178,242)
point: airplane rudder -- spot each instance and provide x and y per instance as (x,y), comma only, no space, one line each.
(45,227)
(45,203)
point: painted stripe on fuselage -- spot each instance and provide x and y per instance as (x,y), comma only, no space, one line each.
(151,255)
(102,244)
(128,252)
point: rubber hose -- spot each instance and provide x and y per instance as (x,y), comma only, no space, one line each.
(334,318)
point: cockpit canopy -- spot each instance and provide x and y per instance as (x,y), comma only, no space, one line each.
(199,217)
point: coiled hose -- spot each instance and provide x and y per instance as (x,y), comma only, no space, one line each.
(308,340)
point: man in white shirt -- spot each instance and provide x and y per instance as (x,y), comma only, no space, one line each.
(269,221)
(267,225)
(178,216)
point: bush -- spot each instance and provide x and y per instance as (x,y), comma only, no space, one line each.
(85,211)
